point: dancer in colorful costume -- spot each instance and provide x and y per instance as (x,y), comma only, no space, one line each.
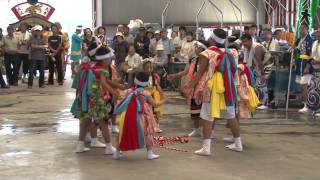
(195,100)
(153,88)
(220,94)
(93,91)
(135,118)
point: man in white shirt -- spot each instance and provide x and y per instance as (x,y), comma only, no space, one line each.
(269,43)
(187,48)
(132,64)
(24,37)
(154,42)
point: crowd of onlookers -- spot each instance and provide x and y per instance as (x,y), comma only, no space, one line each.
(31,49)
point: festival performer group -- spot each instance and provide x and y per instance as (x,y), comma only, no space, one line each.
(119,82)
(217,86)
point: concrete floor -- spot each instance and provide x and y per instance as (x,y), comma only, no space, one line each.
(38,136)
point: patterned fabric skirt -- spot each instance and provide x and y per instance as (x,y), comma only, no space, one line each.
(313,101)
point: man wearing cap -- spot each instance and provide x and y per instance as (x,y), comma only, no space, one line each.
(120,47)
(11,59)
(76,41)
(211,62)
(38,57)
(154,43)
(168,47)
(142,43)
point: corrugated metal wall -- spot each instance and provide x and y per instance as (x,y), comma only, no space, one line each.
(181,11)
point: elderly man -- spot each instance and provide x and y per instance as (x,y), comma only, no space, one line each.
(168,47)
(11,59)
(24,36)
(269,43)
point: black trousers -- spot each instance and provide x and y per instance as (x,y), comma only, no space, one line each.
(34,66)
(24,58)
(12,65)
(58,64)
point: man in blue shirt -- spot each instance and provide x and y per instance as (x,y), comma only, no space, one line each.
(168,47)
(303,47)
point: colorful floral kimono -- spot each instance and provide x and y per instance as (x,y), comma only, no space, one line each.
(82,83)
(226,64)
(90,97)
(197,92)
(136,120)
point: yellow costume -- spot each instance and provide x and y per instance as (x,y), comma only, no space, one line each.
(153,89)
(218,102)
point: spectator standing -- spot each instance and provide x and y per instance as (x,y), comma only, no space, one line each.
(168,47)
(142,43)
(253,33)
(65,47)
(187,48)
(55,45)
(154,42)
(127,36)
(269,43)
(120,47)
(24,36)
(37,56)
(11,59)
(2,82)
(132,64)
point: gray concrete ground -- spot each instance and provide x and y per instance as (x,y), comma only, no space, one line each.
(38,136)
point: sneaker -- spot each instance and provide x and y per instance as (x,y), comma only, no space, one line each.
(228,140)
(262,107)
(234,147)
(151,155)
(195,133)
(212,135)
(24,80)
(114,129)
(202,152)
(304,110)
(81,148)
(95,143)
(158,130)
(110,150)
(117,155)
(88,138)
(29,87)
